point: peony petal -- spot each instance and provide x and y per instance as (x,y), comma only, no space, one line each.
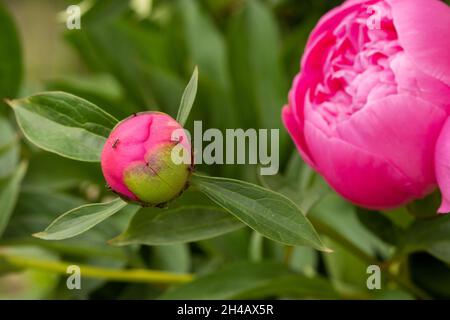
(423,28)
(401,129)
(413,81)
(295,130)
(442,166)
(334,17)
(363,178)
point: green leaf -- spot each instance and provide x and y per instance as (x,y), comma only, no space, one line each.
(9,191)
(337,219)
(36,208)
(292,286)
(252,281)
(10,56)
(100,89)
(228,282)
(426,207)
(9,148)
(188,98)
(66,173)
(305,198)
(64,124)
(431,235)
(346,270)
(174,258)
(227,247)
(269,213)
(79,220)
(205,46)
(379,225)
(257,71)
(154,226)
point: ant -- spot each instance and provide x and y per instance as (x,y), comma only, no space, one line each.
(115,143)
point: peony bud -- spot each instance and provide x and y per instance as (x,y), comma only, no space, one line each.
(137,159)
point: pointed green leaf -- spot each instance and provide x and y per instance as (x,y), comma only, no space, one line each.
(9,190)
(64,124)
(154,226)
(188,98)
(269,213)
(81,219)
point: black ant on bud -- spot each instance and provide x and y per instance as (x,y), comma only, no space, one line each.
(116,142)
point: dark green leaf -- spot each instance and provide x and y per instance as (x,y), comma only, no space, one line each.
(252,281)
(432,235)
(270,213)
(10,56)
(379,225)
(154,226)
(66,173)
(9,148)
(292,286)
(229,282)
(426,207)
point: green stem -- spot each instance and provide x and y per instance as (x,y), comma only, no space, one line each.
(132,275)
(288,252)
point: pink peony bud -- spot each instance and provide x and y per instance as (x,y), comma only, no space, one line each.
(137,159)
(372,97)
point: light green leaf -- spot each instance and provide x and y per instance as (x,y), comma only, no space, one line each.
(188,98)
(64,124)
(9,190)
(269,213)
(10,56)
(154,226)
(79,220)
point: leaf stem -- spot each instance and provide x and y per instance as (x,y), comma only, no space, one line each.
(131,275)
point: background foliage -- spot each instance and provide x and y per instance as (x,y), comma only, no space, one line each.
(127,58)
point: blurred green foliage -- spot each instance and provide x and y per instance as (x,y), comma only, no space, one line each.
(247,52)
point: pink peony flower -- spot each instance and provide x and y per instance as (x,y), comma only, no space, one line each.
(137,159)
(372,97)
(442,161)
